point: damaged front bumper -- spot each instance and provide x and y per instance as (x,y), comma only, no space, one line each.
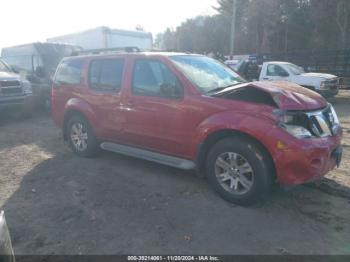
(308,160)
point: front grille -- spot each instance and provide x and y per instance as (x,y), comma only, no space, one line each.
(8,88)
(334,83)
(11,83)
(11,91)
(322,123)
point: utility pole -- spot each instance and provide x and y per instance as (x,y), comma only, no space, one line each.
(233,27)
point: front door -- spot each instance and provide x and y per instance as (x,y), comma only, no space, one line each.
(156,116)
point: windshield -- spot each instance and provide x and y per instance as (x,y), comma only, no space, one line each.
(4,67)
(296,70)
(206,73)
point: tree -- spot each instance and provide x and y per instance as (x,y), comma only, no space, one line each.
(342,20)
(264,26)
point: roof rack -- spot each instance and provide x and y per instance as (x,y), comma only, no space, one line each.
(127,49)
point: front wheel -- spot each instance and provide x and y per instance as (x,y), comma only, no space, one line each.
(81,137)
(240,171)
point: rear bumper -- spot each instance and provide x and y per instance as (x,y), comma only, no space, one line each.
(24,102)
(308,160)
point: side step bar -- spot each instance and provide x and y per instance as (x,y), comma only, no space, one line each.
(149,155)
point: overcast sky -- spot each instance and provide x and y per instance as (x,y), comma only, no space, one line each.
(25,21)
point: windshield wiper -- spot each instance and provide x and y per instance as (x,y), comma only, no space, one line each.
(218,89)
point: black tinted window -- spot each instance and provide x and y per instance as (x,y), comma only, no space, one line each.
(153,78)
(106,74)
(69,72)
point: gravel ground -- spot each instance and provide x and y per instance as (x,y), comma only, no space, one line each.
(57,203)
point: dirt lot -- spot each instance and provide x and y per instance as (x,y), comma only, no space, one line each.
(57,203)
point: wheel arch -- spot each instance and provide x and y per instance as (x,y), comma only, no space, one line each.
(213,138)
(76,106)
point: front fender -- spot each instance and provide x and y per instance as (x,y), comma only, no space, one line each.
(256,125)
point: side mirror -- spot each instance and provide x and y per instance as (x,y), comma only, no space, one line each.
(15,70)
(40,72)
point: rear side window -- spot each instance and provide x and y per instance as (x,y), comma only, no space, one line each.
(106,74)
(69,72)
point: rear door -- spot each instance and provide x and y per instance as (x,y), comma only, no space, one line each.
(104,94)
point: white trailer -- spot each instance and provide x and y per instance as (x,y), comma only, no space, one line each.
(104,37)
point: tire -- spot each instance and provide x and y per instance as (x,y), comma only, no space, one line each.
(79,128)
(240,171)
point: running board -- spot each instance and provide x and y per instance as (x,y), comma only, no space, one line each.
(149,155)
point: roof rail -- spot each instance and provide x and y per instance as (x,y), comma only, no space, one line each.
(127,49)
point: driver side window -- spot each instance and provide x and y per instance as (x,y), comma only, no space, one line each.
(276,70)
(153,78)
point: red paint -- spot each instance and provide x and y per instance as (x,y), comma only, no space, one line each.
(178,126)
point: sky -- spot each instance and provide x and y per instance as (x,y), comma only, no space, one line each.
(25,21)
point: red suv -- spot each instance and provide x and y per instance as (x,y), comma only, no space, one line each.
(193,112)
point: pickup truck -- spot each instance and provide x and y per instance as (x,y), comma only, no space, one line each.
(193,112)
(325,84)
(15,91)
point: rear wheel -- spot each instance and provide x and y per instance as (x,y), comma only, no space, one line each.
(81,137)
(240,171)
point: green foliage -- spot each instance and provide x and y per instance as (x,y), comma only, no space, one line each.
(265,26)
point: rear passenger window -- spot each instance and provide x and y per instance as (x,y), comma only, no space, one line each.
(106,75)
(69,72)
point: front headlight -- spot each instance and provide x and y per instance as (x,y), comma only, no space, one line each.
(297,131)
(324,85)
(294,124)
(27,88)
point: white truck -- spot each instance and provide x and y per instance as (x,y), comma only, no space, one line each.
(325,84)
(106,38)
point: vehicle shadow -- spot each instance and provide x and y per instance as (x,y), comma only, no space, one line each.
(332,187)
(119,205)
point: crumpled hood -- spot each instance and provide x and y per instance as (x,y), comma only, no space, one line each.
(8,76)
(319,75)
(290,96)
(286,95)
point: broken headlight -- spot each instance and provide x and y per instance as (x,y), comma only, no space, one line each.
(295,124)
(320,123)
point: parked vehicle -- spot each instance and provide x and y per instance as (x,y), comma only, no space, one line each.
(335,62)
(104,37)
(193,112)
(325,84)
(6,251)
(15,92)
(38,62)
